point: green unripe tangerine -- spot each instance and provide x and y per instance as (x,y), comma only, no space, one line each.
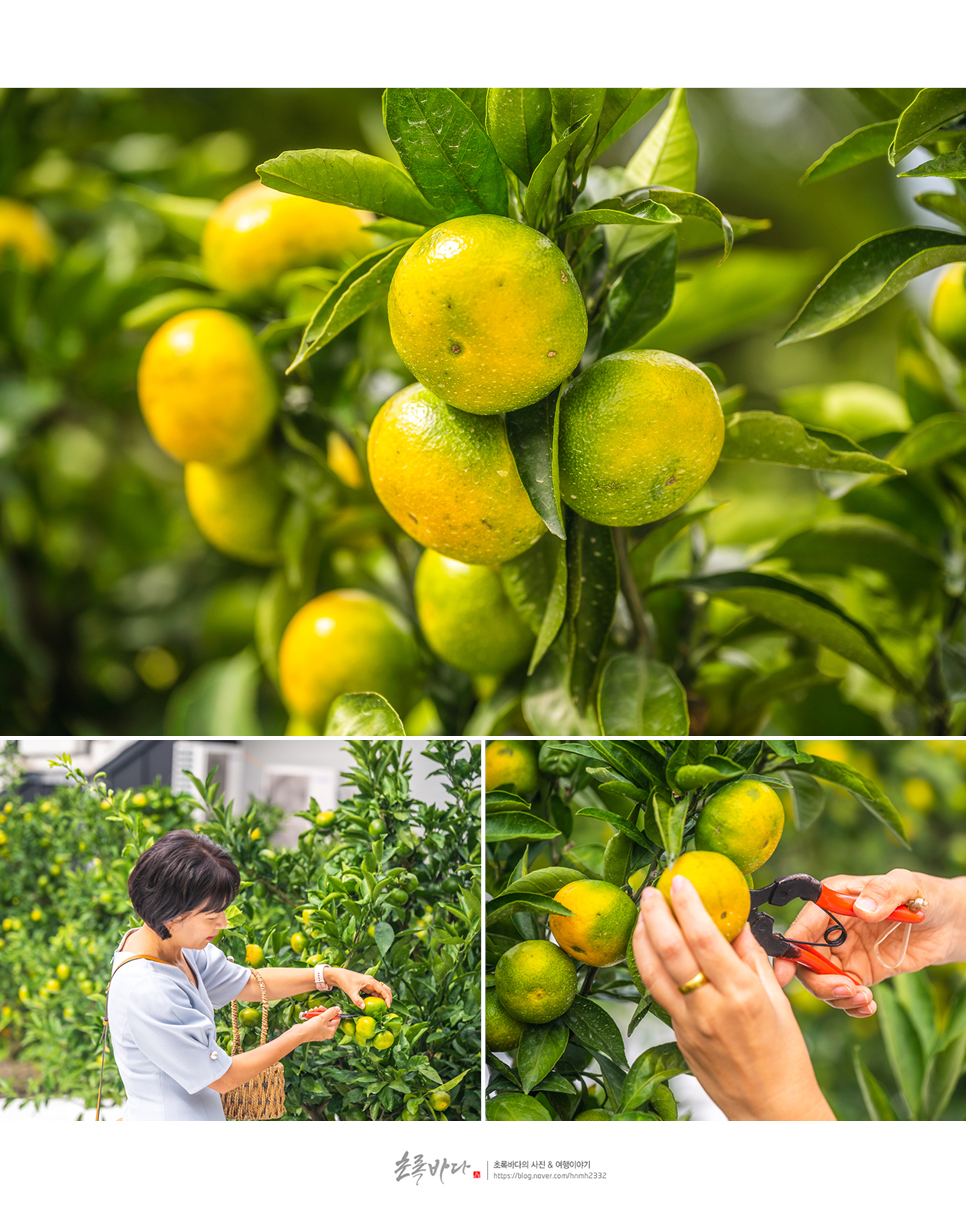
(466,616)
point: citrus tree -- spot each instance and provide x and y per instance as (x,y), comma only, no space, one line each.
(435,424)
(383,884)
(563,907)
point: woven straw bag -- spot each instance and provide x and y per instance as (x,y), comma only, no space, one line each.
(262,1099)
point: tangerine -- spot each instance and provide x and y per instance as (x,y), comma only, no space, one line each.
(720,885)
(449,479)
(486,312)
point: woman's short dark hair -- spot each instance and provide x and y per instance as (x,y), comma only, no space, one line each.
(180,873)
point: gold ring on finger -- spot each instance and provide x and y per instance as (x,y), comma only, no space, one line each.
(698,980)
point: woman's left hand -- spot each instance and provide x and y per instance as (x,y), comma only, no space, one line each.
(736,1028)
(355,985)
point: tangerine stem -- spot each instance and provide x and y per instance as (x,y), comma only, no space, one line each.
(630,590)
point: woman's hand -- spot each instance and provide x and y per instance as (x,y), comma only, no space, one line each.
(355,985)
(737,1030)
(939,938)
(322,1027)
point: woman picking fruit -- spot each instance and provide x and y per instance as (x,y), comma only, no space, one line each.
(168,977)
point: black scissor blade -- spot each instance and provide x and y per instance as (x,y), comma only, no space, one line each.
(763,929)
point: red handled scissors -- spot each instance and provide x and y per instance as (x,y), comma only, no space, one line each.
(786,889)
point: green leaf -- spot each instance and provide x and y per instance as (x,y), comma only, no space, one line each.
(949,165)
(686,203)
(885,103)
(651,1068)
(508,904)
(528,580)
(876,1102)
(222,692)
(604,814)
(384,935)
(657,539)
(362,715)
(918,366)
(151,313)
(184,214)
(516,1107)
(808,798)
(352,179)
(640,297)
(924,116)
(764,436)
(548,707)
(555,612)
(949,206)
(902,1048)
(621,110)
(448,154)
(595,1029)
(863,145)
(867,792)
(712,769)
(362,286)
(592,583)
(856,408)
(541,181)
(915,995)
(943,1072)
(502,801)
(518,123)
(668,155)
(501,827)
(569,106)
(933,440)
(670,818)
(543,880)
(840,542)
(803,612)
(722,302)
(531,435)
(646,213)
(871,274)
(540,1048)
(641,697)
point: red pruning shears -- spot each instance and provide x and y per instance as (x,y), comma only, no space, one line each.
(786,889)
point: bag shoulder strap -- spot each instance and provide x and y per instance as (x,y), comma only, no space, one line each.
(137,956)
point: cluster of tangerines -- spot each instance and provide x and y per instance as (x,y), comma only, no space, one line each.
(487,313)
(536,980)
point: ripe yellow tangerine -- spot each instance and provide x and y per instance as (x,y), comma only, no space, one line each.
(449,479)
(486,312)
(237,508)
(256,233)
(720,885)
(640,433)
(342,642)
(205,389)
(24,230)
(947,319)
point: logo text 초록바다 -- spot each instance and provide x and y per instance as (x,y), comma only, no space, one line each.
(414,1169)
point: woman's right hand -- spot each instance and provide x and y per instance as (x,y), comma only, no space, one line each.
(321,1028)
(939,938)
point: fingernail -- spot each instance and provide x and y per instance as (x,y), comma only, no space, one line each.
(842,992)
(678,883)
(648,896)
(866,905)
